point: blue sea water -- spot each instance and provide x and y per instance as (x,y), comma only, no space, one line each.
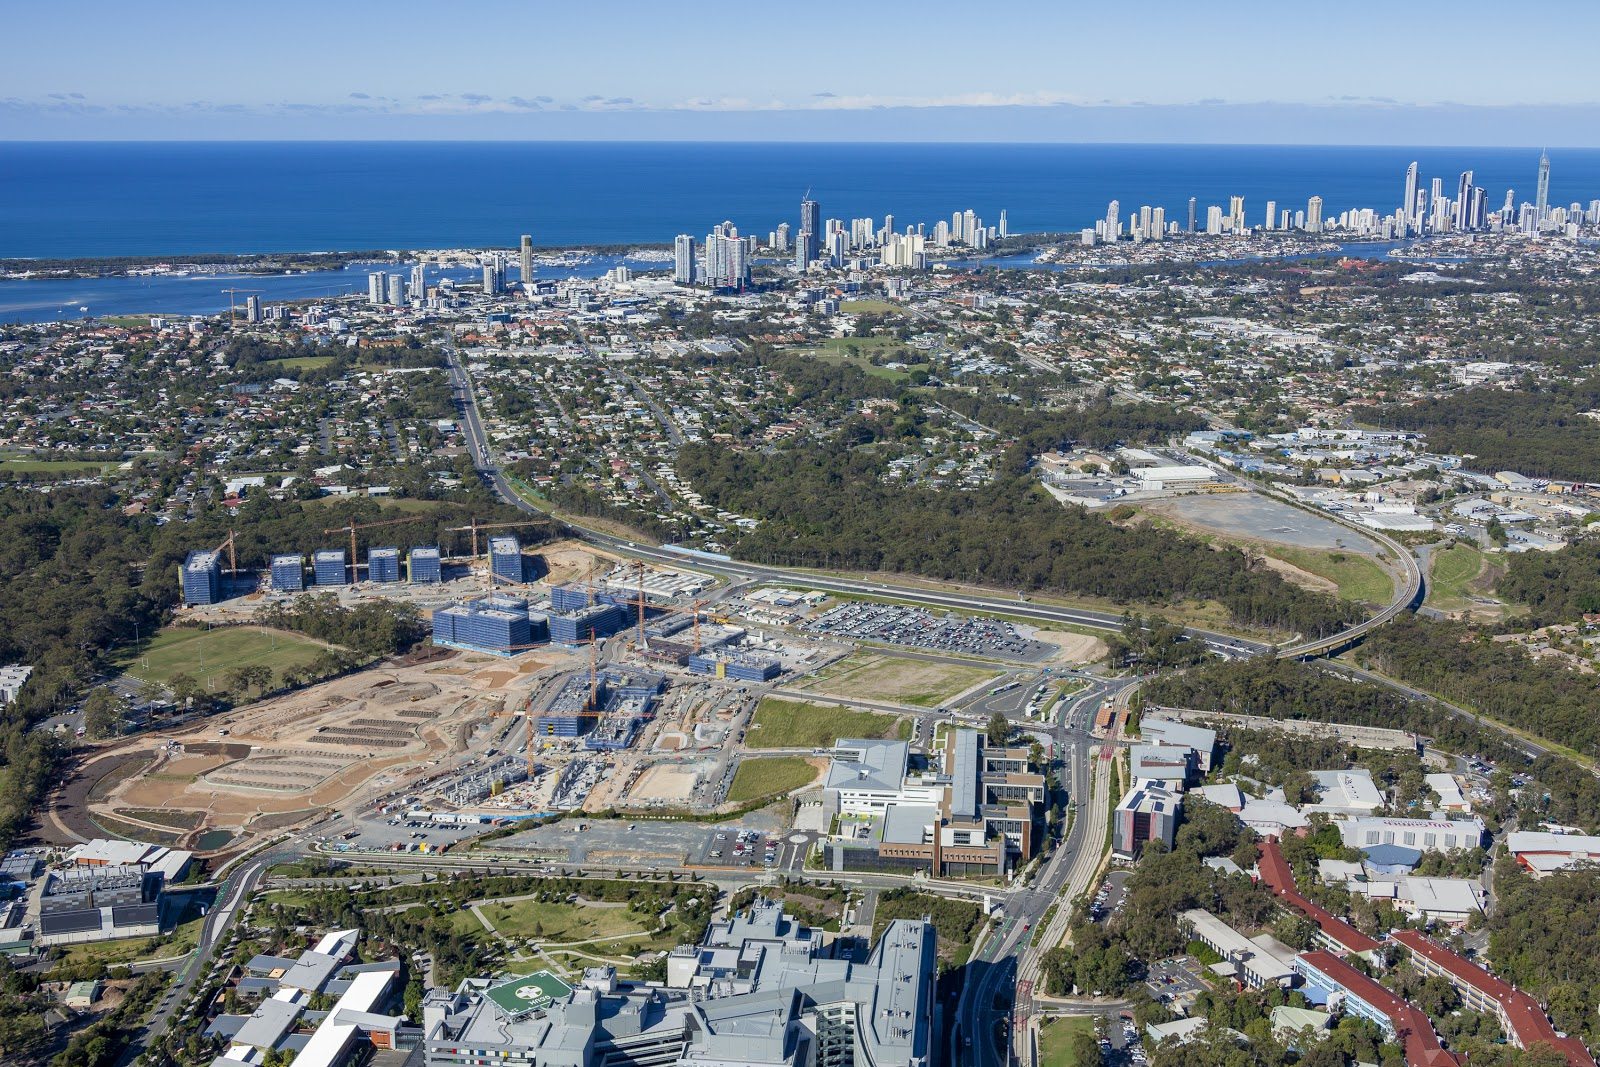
(143,198)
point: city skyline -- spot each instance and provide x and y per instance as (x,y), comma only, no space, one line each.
(1169,73)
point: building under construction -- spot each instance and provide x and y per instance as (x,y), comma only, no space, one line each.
(499,625)
(201,577)
(610,706)
(423,564)
(383,564)
(288,573)
(505,558)
(327,566)
(740,666)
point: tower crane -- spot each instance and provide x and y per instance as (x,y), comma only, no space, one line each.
(233,561)
(475,526)
(233,309)
(352,527)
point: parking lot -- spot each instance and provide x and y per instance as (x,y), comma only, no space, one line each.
(1175,979)
(1108,898)
(753,844)
(919,628)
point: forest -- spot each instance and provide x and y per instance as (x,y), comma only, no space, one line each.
(1536,429)
(1560,586)
(827,507)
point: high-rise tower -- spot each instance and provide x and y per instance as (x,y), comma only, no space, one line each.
(1408,206)
(527,258)
(1541,199)
(811,225)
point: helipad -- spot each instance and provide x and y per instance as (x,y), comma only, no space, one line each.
(528,993)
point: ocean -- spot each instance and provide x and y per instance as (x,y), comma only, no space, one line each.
(77,199)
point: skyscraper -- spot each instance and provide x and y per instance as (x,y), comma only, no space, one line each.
(1236,213)
(1191,214)
(527,258)
(397,289)
(1314,215)
(1463,219)
(1113,221)
(419,281)
(1541,199)
(1408,206)
(811,226)
(1004,232)
(377,285)
(683,259)
(1272,214)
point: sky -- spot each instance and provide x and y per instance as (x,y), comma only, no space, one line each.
(1224,71)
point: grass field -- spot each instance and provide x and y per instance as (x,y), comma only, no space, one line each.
(859,351)
(769,776)
(1358,577)
(208,655)
(130,950)
(895,679)
(561,921)
(1451,573)
(799,724)
(870,306)
(1055,1048)
(303,362)
(27,465)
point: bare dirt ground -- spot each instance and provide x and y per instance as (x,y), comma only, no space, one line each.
(573,561)
(1300,576)
(1075,647)
(666,782)
(307,751)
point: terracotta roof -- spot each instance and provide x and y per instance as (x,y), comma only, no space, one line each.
(1411,1027)
(1280,879)
(1524,1015)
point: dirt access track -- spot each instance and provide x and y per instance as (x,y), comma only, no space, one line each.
(280,763)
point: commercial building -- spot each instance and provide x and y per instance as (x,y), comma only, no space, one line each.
(1174,479)
(288,573)
(760,990)
(383,564)
(1521,1018)
(1167,766)
(500,625)
(1147,813)
(1545,853)
(422,565)
(201,578)
(327,566)
(973,812)
(505,558)
(1426,835)
(576,626)
(98,903)
(1255,962)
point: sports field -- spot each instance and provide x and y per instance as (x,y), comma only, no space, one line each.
(871,676)
(208,655)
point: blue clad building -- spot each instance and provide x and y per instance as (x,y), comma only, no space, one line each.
(576,627)
(383,564)
(327,564)
(505,558)
(423,564)
(288,573)
(500,625)
(201,578)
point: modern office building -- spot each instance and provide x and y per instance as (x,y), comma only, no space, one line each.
(288,573)
(328,566)
(201,577)
(422,565)
(505,558)
(383,564)
(760,990)
(1148,813)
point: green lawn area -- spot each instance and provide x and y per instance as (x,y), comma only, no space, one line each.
(896,679)
(1451,573)
(1358,577)
(302,362)
(799,724)
(769,776)
(24,464)
(859,351)
(210,654)
(869,305)
(561,921)
(1055,1047)
(129,950)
